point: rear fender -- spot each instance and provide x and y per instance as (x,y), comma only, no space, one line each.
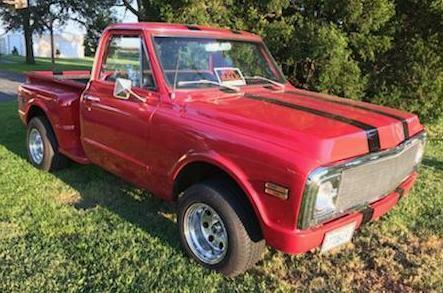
(63,118)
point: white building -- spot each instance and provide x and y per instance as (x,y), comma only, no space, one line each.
(67,44)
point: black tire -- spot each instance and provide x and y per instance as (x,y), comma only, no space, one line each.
(52,158)
(245,241)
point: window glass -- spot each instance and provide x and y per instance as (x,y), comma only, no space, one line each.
(126,58)
(185,59)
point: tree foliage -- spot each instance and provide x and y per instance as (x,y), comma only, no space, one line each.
(47,15)
(38,17)
(94,29)
(409,74)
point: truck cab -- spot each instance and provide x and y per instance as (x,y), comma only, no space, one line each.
(204,117)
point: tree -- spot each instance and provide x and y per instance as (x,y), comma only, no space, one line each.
(148,10)
(44,15)
(410,74)
(94,29)
(94,16)
(20,19)
(315,41)
(385,51)
(38,16)
(51,13)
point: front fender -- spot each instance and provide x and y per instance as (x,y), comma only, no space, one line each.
(230,168)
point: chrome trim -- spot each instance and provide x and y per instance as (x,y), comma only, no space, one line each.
(323,173)
(276,190)
(91,98)
(36,146)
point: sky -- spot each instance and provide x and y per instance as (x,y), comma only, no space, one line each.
(72,27)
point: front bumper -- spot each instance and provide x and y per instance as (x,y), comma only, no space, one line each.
(300,241)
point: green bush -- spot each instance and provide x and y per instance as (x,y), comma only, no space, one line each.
(415,85)
(409,75)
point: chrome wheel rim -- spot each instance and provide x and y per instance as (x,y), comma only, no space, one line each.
(36,146)
(205,233)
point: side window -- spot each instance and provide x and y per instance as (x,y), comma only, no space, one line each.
(126,58)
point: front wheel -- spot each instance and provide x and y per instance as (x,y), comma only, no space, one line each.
(219,230)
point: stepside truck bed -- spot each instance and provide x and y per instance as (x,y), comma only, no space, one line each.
(56,92)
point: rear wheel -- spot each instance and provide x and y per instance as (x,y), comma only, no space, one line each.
(217,229)
(42,145)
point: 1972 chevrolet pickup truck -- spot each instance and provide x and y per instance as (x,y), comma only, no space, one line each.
(204,117)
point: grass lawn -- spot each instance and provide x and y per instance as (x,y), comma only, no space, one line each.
(18,64)
(83,229)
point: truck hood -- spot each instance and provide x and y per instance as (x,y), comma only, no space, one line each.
(323,127)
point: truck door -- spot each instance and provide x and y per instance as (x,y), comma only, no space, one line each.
(115,132)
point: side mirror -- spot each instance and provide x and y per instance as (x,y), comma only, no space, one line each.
(122,88)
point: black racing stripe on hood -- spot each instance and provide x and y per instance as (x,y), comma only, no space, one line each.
(346,103)
(371,131)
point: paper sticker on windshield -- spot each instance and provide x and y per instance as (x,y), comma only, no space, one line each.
(230,76)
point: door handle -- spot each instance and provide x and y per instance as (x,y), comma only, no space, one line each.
(91,99)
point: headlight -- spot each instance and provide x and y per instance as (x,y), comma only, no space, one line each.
(320,197)
(325,199)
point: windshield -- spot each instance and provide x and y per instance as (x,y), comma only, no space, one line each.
(203,62)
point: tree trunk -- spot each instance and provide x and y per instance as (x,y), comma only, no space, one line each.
(140,15)
(28,37)
(51,33)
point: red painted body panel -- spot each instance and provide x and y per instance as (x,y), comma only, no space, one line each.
(253,141)
(60,101)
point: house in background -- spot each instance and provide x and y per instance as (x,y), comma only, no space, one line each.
(68,45)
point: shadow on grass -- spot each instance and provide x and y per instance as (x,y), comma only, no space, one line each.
(433,163)
(96,187)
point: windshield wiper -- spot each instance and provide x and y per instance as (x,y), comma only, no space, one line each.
(279,84)
(205,81)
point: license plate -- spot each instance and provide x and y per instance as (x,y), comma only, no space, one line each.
(338,237)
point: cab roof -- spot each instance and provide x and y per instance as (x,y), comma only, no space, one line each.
(161,28)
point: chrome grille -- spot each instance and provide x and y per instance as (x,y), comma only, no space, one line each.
(368,182)
(362,180)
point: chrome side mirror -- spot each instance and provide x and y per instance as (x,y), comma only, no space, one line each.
(123,90)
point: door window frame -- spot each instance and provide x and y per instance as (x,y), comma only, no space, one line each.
(104,51)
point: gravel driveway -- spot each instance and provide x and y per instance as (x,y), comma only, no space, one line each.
(9,82)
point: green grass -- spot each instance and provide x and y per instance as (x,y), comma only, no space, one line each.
(18,64)
(82,229)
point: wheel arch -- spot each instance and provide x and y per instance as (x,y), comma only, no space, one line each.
(201,168)
(35,111)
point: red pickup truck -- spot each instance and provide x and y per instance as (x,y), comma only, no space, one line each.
(204,117)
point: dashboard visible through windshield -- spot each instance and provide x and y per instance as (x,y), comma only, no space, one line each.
(204,62)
